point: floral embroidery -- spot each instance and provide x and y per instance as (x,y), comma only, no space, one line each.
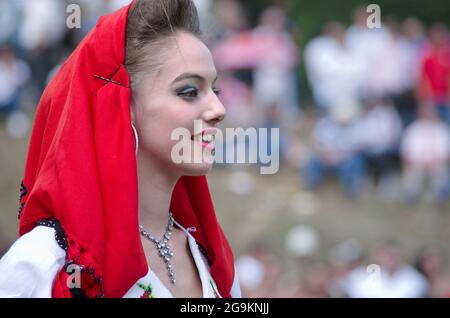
(148,292)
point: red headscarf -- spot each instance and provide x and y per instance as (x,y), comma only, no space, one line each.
(81,171)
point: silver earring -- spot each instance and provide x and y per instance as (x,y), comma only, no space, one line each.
(136,138)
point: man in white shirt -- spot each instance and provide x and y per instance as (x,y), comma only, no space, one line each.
(425,152)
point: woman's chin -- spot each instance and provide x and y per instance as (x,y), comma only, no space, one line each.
(200,163)
(197,169)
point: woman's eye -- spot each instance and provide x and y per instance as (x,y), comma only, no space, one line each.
(193,92)
(189,92)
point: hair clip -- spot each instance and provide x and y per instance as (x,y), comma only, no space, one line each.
(109,80)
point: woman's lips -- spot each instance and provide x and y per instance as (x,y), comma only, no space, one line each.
(208,145)
(206,138)
(207,131)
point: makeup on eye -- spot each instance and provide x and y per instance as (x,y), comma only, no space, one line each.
(187,91)
(192,91)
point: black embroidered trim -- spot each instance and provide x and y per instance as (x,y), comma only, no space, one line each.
(78,293)
(60,235)
(22,204)
(22,192)
(61,239)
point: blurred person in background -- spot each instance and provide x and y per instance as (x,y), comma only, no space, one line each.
(380,131)
(9,21)
(416,42)
(229,19)
(397,71)
(40,33)
(333,72)
(367,47)
(259,69)
(388,62)
(260,273)
(232,49)
(251,272)
(389,276)
(91,10)
(336,149)
(435,72)
(274,77)
(14,74)
(343,259)
(425,154)
(431,263)
(314,282)
(415,32)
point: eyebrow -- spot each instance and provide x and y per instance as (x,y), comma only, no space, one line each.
(191,75)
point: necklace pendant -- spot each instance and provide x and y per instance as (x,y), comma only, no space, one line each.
(162,246)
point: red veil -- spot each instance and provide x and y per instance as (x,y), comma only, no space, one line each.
(81,173)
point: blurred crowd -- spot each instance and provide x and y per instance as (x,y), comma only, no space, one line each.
(380,115)
(380,118)
(346,272)
(382,96)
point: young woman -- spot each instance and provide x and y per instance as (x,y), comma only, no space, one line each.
(105,211)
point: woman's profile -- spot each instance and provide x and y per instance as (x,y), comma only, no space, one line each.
(104,209)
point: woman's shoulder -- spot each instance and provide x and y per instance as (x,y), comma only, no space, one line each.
(28,268)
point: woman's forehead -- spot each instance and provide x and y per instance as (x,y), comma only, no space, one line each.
(189,55)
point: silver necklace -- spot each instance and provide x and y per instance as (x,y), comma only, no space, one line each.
(164,250)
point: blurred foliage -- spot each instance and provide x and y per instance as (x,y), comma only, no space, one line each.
(311,15)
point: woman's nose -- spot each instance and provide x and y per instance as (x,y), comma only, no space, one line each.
(216,112)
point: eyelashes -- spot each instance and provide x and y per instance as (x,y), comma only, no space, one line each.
(192,92)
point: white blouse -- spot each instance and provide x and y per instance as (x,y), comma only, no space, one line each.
(33,261)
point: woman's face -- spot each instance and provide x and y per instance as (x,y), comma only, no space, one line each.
(181,92)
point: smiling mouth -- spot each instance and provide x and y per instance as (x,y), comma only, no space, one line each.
(203,138)
(206,140)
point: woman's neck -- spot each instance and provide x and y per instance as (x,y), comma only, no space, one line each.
(155,192)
